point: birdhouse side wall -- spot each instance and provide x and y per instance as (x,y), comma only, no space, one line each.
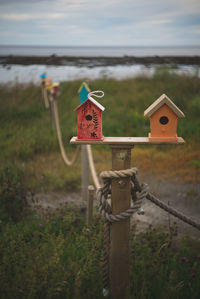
(89,122)
(163,123)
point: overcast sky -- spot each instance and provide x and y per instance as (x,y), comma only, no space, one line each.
(102,22)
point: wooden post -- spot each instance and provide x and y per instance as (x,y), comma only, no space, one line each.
(120,247)
(121,195)
(90,205)
(52,98)
(85,174)
(46,101)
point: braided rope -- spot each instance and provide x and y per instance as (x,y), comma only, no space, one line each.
(62,150)
(112,174)
(92,166)
(51,103)
(172,211)
(106,255)
(138,194)
(102,194)
(106,212)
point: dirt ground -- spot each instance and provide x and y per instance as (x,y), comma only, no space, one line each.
(183,197)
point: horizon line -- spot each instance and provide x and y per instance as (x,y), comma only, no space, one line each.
(102,46)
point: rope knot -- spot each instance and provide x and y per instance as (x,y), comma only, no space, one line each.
(113,174)
(104,191)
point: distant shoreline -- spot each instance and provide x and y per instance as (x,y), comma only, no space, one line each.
(84,61)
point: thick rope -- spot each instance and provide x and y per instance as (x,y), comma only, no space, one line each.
(138,193)
(62,150)
(106,255)
(92,167)
(106,211)
(102,194)
(112,174)
(172,211)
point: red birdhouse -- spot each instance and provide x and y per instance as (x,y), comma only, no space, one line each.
(55,88)
(89,119)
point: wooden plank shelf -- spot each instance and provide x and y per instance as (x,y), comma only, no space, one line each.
(125,141)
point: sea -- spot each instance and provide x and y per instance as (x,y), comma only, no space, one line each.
(31,73)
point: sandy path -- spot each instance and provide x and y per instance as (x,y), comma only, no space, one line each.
(183,197)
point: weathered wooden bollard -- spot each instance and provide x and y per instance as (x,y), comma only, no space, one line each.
(83,93)
(84,174)
(164,115)
(120,247)
(50,91)
(91,192)
(44,91)
(52,96)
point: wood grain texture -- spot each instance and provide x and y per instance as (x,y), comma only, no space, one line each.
(125,140)
(164,130)
(120,231)
(84,174)
(91,194)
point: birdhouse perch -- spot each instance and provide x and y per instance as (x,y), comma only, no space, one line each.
(164,116)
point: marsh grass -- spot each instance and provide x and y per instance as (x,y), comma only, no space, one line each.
(13,203)
(27,137)
(56,256)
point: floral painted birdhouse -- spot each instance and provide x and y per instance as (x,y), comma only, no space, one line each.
(164,116)
(89,118)
(48,84)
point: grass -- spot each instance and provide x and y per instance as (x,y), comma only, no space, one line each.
(54,255)
(28,140)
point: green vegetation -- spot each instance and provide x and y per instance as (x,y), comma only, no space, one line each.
(28,140)
(56,256)
(53,255)
(12,194)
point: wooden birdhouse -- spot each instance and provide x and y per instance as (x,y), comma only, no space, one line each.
(48,84)
(83,92)
(43,78)
(89,119)
(55,88)
(164,116)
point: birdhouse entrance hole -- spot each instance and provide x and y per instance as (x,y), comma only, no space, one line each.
(88,117)
(164,120)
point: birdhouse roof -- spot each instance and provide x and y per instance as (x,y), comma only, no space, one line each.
(84,85)
(94,102)
(163,99)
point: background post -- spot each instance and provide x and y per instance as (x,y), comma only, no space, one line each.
(85,174)
(90,205)
(52,98)
(120,247)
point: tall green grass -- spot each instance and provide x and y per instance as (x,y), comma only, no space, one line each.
(26,133)
(58,257)
(55,255)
